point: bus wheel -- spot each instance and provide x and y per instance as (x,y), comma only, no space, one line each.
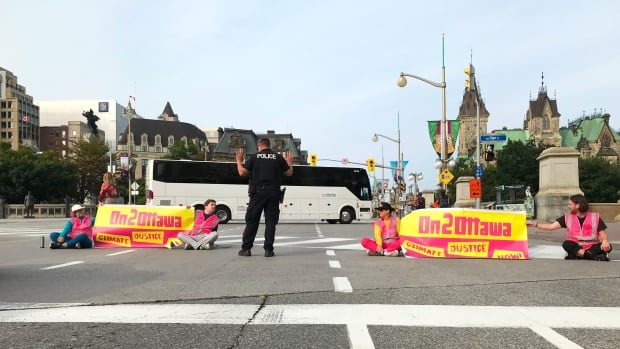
(346,216)
(331,221)
(223,213)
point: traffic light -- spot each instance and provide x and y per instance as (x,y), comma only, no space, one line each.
(370,164)
(403,187)
(314,159)
(489,153)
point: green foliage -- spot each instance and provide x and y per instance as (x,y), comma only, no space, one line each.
(599,180)
(89,157)
(180,151)
(517,164)
(24,170)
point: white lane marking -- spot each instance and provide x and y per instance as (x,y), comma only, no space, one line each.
(330,252)
(334,264)
(62,265)
(359,337)
(555,338)
(314,241)
(353,247)
(334,314)
(121,252)
(22,306)
(449,315)
(342,284)
(357,317)
(138,313)
(228,239)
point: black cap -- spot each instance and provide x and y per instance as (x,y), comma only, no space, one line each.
(384,206)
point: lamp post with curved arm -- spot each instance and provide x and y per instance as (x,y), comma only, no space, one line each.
(402,82)
(399,167)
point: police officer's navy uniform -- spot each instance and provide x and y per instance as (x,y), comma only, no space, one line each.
(266,169)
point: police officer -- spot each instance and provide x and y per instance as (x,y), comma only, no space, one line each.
(266,169)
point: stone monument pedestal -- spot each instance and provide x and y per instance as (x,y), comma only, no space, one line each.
(558,179)
(462,193)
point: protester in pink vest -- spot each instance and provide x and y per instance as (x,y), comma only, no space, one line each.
(585,231)
(204,233)
(78,231)
(386,229)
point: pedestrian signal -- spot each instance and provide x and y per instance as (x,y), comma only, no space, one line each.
(489,153)
(370,164)
(314,159)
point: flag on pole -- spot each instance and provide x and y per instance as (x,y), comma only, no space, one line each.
(132,97)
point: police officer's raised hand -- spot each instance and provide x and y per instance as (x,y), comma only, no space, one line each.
(239,154)
(289,158)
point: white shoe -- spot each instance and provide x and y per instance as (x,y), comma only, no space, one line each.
(392,254)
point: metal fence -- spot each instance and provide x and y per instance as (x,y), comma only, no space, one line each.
(42,210)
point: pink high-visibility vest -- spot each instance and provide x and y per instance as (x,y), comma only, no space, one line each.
(586,234)
(388,232)
(84,226)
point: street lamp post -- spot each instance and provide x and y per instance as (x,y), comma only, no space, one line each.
(402,82)
(415,177)
(129,113)
(399,164)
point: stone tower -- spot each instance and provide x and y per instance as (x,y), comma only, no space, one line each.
(467,117)
(542,119)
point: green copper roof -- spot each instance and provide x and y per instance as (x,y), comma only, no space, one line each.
(512,135)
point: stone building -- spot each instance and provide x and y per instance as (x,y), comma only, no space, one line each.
(19,116)
(542,119)
(60,139)
(592,136)
(467,117)
(230,139)
(151,138)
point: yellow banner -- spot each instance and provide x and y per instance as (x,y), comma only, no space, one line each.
(145,217)
(463,223)
(140,226)
(424,250)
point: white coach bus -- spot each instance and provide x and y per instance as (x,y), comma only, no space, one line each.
(331,194)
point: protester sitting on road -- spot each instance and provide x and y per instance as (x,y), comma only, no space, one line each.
(78,231)
(386,229)
(586,237)
(204,233)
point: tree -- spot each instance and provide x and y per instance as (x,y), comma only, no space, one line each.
(89,157)
(25,170)
(599,180)
(517,164)
(180,151)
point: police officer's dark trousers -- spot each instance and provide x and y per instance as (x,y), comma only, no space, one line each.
(267,200)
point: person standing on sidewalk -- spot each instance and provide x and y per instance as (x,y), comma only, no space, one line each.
(586,237)
(266,168)
(387,230)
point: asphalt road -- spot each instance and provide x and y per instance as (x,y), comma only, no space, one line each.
(319,291)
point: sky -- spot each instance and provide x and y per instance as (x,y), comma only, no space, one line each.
(324,71)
